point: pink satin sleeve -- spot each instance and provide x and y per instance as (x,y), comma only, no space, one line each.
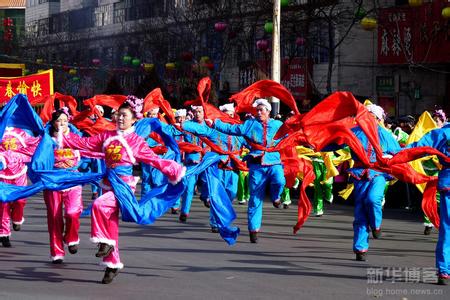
(14,160)
(89,144)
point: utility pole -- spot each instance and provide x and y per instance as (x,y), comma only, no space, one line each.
(276,57)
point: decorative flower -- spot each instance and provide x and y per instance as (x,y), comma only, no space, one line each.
(137,104)
(439,113)
(65,110)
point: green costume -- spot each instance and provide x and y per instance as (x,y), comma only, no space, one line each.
(323,189)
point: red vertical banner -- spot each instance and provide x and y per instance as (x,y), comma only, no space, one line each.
(414,35)
(33,86)
(295,75)
(396,36)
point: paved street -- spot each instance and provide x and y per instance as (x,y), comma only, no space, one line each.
(169,260)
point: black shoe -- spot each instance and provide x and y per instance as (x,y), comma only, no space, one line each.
(253,237)
(427,230)
(5,241)
(94,196)
(207,203)
(110,273)
(276,204)
(183,218)
(376,233)
(361,256)
(104,250)
(443,280)
(73,249)
(57,261)
(174,211)
(285,206)
(17,227)
(214,229)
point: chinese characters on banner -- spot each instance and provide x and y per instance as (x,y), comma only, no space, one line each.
(33,86)
(413,35)
(294,75)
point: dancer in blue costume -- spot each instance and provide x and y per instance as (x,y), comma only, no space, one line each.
(229,172)
(180,117)
(440,140)
(369,187)
(149,181)
(190,161)
(265,168)
(227,143)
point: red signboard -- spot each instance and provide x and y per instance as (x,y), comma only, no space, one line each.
(414,35)
(33,86)
(11,70)
(295,74)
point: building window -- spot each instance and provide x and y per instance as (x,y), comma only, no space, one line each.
(59,23)
(32,28)
(119,12)
(103,15)
(46,1)
(43,27)
(142,9)
(182,3)
(81,19)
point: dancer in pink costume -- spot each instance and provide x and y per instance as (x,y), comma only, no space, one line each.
(122,148)
(67,159)
(15,140)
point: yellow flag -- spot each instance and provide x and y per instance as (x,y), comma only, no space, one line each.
(424,125)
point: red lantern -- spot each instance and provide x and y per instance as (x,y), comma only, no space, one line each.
(96,61)
(299,41)
(7,36)
(220,26)
(262,45)
(7,32)
(8,22)
(210,66)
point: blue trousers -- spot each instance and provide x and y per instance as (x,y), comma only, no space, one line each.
(443,244)
(259,178)
(186,198)
(230,182)
(229,179)
(368,211)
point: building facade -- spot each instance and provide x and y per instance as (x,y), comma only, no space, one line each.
(145,43)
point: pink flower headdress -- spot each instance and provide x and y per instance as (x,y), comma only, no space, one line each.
(439,113)
(137,104)
(65,110)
